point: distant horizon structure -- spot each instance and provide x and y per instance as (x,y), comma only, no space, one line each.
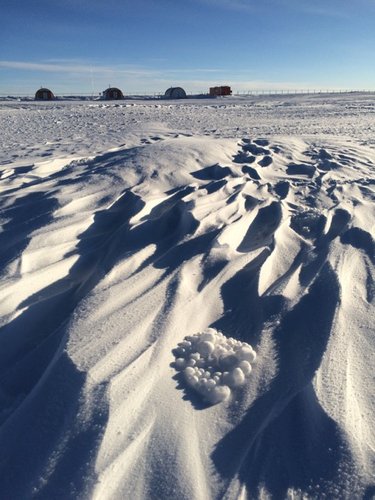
(112,94)
(44,94)
(175,93)
(221,90)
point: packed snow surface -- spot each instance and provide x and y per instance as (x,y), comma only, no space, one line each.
(147,251)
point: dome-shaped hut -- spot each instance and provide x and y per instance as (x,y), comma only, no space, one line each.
(175,93)
(44,95)
(113,94)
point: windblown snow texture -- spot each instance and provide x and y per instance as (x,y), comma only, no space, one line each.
(142,240)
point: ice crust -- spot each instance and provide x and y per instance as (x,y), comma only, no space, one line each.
(213,364)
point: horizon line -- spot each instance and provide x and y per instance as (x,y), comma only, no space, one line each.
(255,91)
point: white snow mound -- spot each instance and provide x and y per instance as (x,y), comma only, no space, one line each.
(213,364)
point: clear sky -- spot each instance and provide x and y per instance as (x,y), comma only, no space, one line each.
(77,46)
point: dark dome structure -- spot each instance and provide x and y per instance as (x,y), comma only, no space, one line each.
(175,93)
(113,94)
(44,95)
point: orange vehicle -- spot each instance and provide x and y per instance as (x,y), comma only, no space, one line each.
(223,90)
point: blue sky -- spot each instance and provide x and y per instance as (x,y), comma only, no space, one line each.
(76,46)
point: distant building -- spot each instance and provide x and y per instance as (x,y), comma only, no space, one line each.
(223,90)
(44,95)
(112,94)
(175,93)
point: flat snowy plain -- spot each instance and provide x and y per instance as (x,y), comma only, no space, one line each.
(128,226)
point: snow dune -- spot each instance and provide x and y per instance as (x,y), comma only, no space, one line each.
(117,249)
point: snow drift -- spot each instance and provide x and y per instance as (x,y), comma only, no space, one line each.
(119,247)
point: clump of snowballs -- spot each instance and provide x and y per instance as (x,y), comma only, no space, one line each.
(213,364)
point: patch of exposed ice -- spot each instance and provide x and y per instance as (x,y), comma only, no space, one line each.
(213,364)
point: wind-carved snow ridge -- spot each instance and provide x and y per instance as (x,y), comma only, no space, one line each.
(177,218)
(214,364)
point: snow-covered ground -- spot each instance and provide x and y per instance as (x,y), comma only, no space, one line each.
(129,228)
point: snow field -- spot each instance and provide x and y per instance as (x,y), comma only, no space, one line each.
(213,364)
(126,230)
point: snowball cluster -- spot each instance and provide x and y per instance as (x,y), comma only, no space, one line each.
(213,364)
